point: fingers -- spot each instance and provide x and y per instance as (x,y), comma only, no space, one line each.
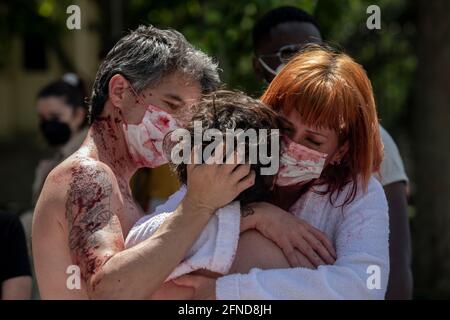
(246,182)
(305,248)
(294,256)
(289,252)
(240,172)
(318,249)
(324,241)
(303,261)
(232,162)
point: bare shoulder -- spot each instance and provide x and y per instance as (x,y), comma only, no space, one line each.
(75,223)
(78,180)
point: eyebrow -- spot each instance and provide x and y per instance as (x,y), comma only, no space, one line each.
(317,133)
(174,97)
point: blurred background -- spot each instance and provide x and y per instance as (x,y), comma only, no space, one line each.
(408,62)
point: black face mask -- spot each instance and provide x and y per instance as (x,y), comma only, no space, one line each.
(55,132)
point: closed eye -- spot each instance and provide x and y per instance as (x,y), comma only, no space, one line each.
(172,106)
(316,143)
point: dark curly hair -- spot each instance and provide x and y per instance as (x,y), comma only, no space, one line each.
(224,110)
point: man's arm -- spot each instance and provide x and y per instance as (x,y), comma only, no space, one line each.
(95,236)
(400,278)
(96,239)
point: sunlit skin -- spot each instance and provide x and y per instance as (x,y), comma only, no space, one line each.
(86,208)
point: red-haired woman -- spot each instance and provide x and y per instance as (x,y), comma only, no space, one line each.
(325,180)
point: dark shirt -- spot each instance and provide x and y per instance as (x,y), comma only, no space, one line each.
(14,260)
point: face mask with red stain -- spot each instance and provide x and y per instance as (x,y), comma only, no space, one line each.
(298,164)
(145,140)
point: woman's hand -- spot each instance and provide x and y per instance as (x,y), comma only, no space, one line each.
(204,287)
(171,291)
(212,186)
(298,239)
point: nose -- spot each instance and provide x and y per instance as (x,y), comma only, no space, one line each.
(299,135)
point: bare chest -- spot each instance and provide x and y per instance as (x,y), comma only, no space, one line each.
(130,211)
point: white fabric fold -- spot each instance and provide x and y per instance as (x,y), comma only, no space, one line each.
(214,249)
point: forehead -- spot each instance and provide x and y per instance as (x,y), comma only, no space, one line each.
(51,104)
(295,118)
(181,85)
(289,33)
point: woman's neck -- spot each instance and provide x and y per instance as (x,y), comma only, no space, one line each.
(285,197)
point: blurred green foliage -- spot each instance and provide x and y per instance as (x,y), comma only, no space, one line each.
(222,28)
(43,20)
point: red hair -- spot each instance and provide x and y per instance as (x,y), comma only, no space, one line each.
(330,90)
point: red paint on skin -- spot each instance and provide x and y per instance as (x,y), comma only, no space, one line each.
(105,124)
(84,178)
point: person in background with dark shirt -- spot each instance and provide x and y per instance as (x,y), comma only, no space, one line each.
(15,273)
(278,36)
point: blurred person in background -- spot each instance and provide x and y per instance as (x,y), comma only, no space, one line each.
(15,272)
(278,36)
(62,112)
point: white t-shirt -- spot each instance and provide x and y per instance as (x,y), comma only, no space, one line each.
(392,169)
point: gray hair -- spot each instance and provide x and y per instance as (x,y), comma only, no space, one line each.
(145,56)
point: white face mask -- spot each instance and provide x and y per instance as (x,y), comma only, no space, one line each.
(298,163)
(145,140)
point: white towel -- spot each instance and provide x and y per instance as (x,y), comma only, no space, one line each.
(213,250)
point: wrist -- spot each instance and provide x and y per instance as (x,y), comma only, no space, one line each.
(248,222)
(191,205)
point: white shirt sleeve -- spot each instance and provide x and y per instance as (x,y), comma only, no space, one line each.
(392,168)
(215,247)
(362,248)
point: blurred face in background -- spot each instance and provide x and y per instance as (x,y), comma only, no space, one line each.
(58,120)
(283,42)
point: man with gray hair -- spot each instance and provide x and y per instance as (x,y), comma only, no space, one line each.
(86,209)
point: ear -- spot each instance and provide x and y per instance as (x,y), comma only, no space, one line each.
(118,91)
(341,152)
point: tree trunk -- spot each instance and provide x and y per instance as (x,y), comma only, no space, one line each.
(431,145)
